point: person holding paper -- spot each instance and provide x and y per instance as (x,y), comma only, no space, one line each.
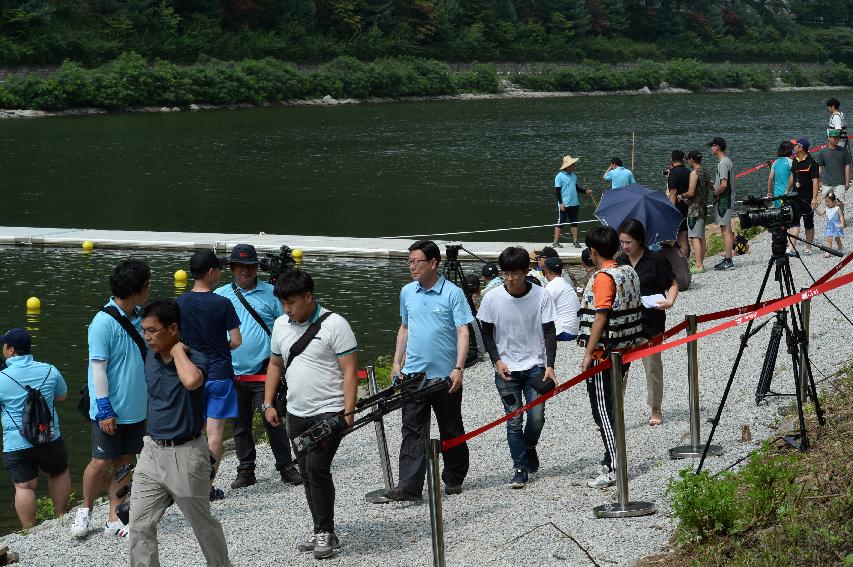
(659,289)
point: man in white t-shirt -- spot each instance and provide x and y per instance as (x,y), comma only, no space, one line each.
(521,339)
(565,299)
(322,383)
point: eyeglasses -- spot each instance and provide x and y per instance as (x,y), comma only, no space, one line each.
(151,332)
(415,262)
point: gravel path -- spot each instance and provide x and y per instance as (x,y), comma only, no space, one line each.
(549,521)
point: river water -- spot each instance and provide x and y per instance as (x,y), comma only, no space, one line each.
(363,170)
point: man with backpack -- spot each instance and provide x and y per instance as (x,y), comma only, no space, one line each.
(31,437)
(118,399)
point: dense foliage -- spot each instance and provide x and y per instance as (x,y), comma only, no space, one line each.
(96,31)
(131,81)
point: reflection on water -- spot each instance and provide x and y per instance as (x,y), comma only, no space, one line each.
(72,286)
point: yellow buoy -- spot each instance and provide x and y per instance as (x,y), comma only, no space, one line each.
(180,276)
(88,245)
(33,304)
(297,254)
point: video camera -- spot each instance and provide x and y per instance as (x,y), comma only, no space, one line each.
(278,264)
(383,402)
(769,217)
(123,509)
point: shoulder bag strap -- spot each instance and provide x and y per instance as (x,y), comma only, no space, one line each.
(125,323)
(250,309)
(6,410)
(300,345)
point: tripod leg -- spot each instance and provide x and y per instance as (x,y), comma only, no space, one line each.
(743,342)
(813,392)
(799,362)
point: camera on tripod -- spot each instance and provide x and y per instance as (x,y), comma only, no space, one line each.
(768,217)
(123,509)
(278,264)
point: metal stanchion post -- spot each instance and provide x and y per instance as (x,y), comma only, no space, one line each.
(623,507)
(695,448)
(803,378)
(378,496)
(436,521)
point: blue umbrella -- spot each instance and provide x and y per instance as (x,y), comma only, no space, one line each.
(652,208)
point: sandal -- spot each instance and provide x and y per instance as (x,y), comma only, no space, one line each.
(656,419)
(826,254)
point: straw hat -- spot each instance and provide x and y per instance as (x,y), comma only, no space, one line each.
(567,161)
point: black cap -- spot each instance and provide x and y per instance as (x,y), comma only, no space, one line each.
(490,270)
(243,254)
(203,261)
(19,339)
(554,264)
(586,258)
(548,252)
(719,142)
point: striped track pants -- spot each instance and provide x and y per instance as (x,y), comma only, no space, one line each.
(599,388)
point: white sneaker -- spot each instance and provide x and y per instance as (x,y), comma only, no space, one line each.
(116,529)
(603,480)
(82,522)
(599,470)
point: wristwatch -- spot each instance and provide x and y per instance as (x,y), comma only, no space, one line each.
(457,368)
(265,407)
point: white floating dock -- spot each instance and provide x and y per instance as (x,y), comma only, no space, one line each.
(341,246)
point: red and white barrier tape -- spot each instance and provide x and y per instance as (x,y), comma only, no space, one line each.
(768,163)
(823,285)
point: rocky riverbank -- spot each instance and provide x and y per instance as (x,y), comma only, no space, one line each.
(510,91)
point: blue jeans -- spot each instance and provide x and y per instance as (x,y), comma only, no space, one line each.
(519,437)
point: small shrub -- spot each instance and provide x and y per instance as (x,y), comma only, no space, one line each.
(686,73)
(836,74)
(479,78)
(796,77)
(644,74)
(704,506)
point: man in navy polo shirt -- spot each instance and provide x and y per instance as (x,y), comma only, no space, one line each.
(434,339)
(21,459)
(174,466)
(250,361)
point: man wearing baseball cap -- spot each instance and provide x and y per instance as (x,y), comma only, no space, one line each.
(834,163)
(21,459)
(805,182)
(209,324)
(724,198)
(257,309)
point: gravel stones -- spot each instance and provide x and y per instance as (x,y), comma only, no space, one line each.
(550,521)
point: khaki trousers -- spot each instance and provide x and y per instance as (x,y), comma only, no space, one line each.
(173,474)
(654,380)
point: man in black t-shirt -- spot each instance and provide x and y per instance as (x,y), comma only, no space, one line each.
(678,181)
(209,324)
(805,181)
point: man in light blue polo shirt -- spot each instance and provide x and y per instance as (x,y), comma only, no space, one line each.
(434,338)
(21,459)
(118,397)
(250,361)
(617,175)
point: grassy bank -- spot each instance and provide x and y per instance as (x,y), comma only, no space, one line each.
(782,507)
(132,81)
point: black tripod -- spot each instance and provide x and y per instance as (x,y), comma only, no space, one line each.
(453,272)
(789,322)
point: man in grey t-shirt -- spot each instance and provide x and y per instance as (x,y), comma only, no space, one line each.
(834,162)
(723,198)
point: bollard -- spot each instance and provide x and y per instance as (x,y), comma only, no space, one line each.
(623,507)
(695,448)
(436,521)
(378,496)
(803,378)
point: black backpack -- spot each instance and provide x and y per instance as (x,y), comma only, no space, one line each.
(37,420)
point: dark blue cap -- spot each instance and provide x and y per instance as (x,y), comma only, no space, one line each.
(19,339)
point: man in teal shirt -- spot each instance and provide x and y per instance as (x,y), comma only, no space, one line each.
(617,175)
(250,365)
(21,459)
(117,392)
(568,206)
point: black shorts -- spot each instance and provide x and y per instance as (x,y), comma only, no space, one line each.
(570,214)
(126,441)
(803,209)
(23,465)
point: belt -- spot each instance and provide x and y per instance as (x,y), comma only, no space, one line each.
(173,442)
(416,375)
